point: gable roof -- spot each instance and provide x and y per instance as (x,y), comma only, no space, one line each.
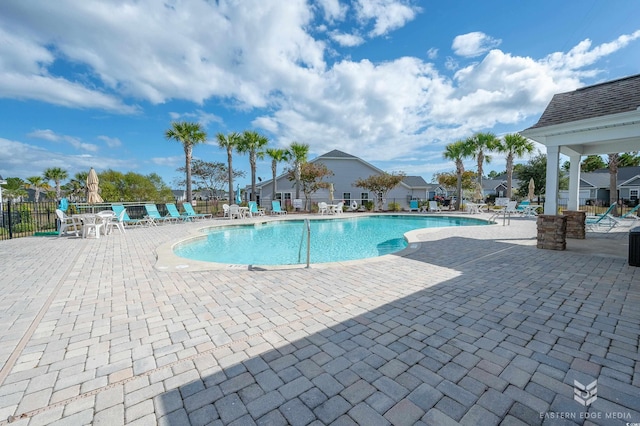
(611,97)
(335,154)
(415,181)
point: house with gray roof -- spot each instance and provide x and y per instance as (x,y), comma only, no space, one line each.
(594,186)
(347,169)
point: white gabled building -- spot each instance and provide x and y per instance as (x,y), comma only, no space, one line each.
(347,169)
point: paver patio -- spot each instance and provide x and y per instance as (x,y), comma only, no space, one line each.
(474,326)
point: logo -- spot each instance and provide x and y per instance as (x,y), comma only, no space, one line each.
(585,394)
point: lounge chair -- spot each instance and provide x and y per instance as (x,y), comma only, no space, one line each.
(126,220)
(68,223)
(275,208)
(522,206)
(173,212)
(604,222)
(154,214)
(434,207)
(254,209)
(188,208)
(631,214)
(413,205)
(511,208)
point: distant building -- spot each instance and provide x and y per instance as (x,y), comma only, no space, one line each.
(347,170)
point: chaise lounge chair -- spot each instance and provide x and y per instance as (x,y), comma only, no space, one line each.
(174,213)
(275,208)
(434,207)
(413,205)
(604,222)
(631,214)
(154,214)
(254,209)
(118,208)
(188,208)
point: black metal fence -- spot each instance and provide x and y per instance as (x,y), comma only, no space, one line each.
(25,219)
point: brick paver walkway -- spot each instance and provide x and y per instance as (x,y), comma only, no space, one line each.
(476,326)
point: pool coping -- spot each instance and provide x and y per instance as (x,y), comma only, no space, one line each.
(167,260)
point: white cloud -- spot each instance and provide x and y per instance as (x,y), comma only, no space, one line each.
(200,116)
(387,15)
(30,160)
(432,53)
(111,142)
(347,40)
(174,161)
(50,135)
(473,44)
(333,10)
(583,55)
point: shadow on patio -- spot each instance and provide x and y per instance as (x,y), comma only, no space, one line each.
(502,341)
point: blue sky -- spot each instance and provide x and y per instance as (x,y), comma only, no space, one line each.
(96,84)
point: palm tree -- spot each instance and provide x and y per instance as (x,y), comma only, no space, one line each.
(478,145)
(188,134)
(57,175)
(277,155)
(613,162)
(252,143)
(229,143)
(38,184)
(514,145)
(297,154)
(457,152)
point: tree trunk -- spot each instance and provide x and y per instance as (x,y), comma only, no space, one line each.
(187,168)
(252,162)
(229,160)
(509,174)
(274,169)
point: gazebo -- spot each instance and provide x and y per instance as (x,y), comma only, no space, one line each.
(599,119)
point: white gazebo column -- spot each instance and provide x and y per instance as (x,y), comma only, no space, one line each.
(551,191)
(574,182)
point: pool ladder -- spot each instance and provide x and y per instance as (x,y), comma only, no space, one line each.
(307,228)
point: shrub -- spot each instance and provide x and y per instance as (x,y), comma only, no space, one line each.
(394,207)
(24,227)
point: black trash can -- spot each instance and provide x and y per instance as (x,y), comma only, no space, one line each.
(634,246)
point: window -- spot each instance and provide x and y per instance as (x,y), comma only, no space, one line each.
(346,196)
(364,197)
(633,194)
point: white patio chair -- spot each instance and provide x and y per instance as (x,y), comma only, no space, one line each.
(234,211)
(68,223)
(91,224)
(117,222)
(323,208)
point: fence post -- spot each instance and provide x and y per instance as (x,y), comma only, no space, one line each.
(9,219)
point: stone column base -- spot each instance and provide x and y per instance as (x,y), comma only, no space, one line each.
(552,232)
(575,224)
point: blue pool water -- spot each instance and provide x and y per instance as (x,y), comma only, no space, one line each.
(332,240)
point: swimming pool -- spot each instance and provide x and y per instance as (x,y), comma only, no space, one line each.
(284,242)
